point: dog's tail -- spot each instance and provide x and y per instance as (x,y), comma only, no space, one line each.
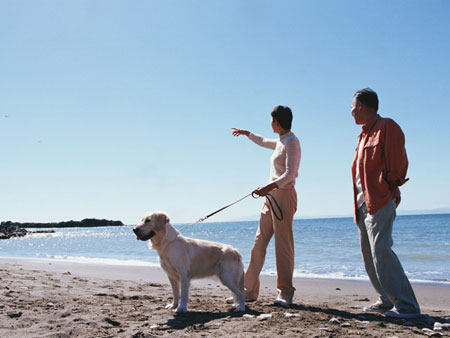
(232,253)
(237,255)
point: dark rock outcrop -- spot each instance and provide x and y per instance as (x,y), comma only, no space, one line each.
(15,229)
(9,231)
(85,223)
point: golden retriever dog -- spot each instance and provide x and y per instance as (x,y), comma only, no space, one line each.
(186,258)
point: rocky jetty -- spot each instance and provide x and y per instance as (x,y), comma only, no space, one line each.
(85,223)
(9,231)
(15,229)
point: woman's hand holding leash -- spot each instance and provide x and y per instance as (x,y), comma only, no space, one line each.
(264,191)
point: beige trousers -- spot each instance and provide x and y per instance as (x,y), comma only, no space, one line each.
(269,225)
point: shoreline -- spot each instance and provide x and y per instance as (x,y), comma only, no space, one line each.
(53,299)
(150,265)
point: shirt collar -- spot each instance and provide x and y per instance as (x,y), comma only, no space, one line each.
(286,135)
(366,128)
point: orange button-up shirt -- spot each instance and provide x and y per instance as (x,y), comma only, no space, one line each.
(383,163)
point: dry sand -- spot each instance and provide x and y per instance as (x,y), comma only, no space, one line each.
(41,299)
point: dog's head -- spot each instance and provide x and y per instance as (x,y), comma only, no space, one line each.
(152,224)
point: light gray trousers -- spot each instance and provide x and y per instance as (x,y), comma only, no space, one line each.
(382,264)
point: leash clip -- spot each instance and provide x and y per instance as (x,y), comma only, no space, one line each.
(255,196)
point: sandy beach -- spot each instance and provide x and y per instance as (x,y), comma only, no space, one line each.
(42,299)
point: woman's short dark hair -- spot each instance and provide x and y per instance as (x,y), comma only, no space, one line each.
(283,115)
(367,97)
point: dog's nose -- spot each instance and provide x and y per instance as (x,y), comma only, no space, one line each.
(135,231)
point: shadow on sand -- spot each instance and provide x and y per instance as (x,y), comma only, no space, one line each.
(424,321)
(196,319)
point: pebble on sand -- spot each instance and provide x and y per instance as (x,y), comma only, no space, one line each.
(264,316)
(14,314)
(334,320)
(112,321)
(289,315)
(431,333)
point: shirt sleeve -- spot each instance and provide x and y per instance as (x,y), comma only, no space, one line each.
(293,155)
(395,154)
(262,141)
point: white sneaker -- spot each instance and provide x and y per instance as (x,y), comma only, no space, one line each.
(378,307)
(394,313)
(282,302)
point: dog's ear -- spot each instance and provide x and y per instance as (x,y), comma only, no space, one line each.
(161,219)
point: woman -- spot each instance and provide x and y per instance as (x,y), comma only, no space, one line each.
(285,162)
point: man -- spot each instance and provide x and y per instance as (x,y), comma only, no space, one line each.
(378,169)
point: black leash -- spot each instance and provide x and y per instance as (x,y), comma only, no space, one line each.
(278,217)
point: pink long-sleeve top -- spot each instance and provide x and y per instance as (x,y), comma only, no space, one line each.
(285,160)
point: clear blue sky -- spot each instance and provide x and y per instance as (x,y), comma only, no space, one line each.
(109,109)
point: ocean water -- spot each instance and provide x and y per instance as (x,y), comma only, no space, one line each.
(324,248)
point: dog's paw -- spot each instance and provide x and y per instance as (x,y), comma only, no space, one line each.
(181,309)
(171,306)
(238,308)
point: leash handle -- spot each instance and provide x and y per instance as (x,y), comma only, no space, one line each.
(278,216)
